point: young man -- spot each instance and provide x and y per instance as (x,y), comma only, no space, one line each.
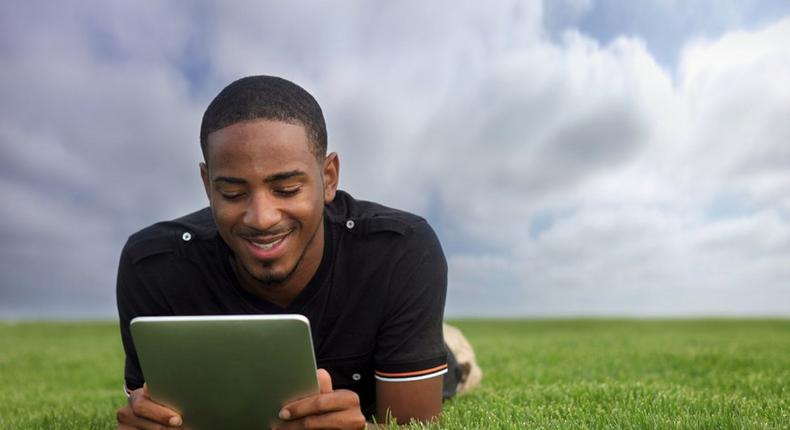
(279,237)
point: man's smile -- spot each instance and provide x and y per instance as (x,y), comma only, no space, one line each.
(267,247)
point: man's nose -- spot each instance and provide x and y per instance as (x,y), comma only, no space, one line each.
(262,213)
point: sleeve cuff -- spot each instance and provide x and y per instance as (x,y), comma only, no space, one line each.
(411,376)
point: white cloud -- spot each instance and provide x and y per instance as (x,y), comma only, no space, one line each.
(641,237)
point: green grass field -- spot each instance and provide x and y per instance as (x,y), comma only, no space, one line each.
(708,374)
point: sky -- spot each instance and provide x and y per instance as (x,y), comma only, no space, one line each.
(575,157)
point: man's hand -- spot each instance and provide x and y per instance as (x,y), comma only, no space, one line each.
(143,413)
(326,410)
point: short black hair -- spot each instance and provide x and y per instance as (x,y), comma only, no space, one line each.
(265,97)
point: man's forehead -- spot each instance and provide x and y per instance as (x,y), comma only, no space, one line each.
(259,135)
(257,125)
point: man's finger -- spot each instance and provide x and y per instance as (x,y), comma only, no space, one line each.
(346,419)
(324,381)
(144,407)
(320,404)
(309,403)
(127,420)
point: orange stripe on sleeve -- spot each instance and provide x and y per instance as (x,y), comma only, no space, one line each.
(415,373)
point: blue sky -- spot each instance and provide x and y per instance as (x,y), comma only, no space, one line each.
(576,157)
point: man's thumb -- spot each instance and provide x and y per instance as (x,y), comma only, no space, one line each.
(324,381)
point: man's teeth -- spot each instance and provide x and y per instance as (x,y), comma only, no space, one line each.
(267,245)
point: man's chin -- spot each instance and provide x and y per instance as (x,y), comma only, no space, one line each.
(271,278)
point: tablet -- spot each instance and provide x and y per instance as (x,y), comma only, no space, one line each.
(226,372)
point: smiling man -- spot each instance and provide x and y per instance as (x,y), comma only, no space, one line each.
(279,237)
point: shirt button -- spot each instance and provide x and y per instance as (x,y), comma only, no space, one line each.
(350,224)
(356,376)
(187,236)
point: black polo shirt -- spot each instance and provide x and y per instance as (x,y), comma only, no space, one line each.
(375,304)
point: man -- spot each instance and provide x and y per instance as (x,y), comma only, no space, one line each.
(279,237)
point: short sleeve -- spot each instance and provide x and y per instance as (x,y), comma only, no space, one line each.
(135,298)
(410,345)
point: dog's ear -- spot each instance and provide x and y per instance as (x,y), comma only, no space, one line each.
(465,369)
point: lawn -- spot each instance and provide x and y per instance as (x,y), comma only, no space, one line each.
(709,374)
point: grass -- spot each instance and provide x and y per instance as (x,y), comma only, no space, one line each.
(60,375)
(542,374)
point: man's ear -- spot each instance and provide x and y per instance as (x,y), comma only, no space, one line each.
(331,173)
(206,181)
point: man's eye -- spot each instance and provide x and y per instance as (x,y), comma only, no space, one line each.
(288,192)
(231,196)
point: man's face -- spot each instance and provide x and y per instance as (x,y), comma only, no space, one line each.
(267,192)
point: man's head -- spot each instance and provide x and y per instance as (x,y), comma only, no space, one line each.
(267,179)
(265,97)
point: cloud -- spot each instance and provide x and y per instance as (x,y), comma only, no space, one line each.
(98,137)
(635,231)
(664,25)
(565,175)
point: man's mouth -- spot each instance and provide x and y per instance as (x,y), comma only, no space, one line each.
(267,245)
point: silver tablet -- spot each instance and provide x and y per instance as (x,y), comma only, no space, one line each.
(226,372)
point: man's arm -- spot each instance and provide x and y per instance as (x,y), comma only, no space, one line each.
(339,409)
(402,401)
(410,355)
(136,297)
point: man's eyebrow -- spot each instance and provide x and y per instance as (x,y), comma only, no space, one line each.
(276,177)
(283,176)
(230,180)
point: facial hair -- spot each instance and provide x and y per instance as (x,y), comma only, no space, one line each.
(272,281)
